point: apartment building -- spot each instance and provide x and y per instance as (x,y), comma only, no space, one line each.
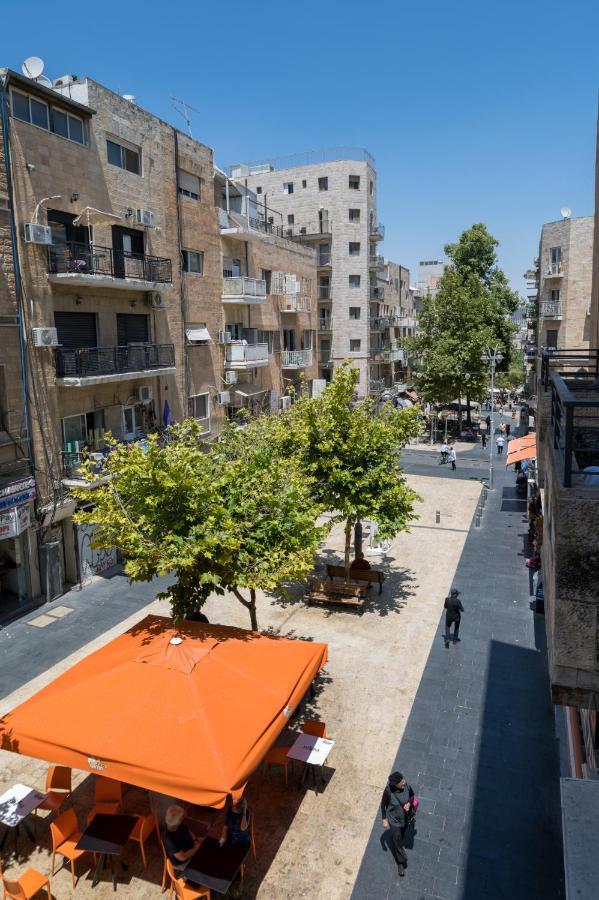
(392,320)
(126,303)
(327,200)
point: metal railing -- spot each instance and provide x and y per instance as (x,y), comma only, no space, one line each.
(379,323)
(90,362)
(554,271)
(376,261)
(325,324)
(568,362)
(324,357)
(324,293)
(377,230)
(294,303)
(308,230)
(574,427)
(243,286)
(296,359)
(324,259)
(377,293)
(91,259)
(551,309)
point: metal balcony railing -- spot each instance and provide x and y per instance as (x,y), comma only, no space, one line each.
(554,271)
(296,359)
(568,362)
(551,309)
(91,259)
(243,286)
(90,362)
(294,303)
(325,324)
(574,427)
(324,293)
(377,230)
(324,259)
(377,293)
(324,357)
(308,230)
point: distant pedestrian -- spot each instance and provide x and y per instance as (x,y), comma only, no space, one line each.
(483,438)
(453,611)
(452,458)
(396,806)
(488,421)
(500,442)
(508,429)
(502,427)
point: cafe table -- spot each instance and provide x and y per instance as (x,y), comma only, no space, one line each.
(16,804)
(312,751)
(216,867)
(107,835)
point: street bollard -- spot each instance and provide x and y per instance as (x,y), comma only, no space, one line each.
(477,519)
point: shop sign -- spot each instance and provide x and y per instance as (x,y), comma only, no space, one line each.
(15,522)
(17,499)
(16,487)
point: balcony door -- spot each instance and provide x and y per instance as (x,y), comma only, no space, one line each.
(132,328)
(63,230)
(128,250)
(288,339)
(76,329)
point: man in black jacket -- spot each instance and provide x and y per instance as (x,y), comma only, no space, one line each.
(454,608)
(396,804)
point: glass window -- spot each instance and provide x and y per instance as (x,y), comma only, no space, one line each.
(199,408)
(371,186)
(193,261)
(354,312)
(76,132)
(354,182)
(354,344)
(39,113)
(20,106)
(131,160)
(354,248)
(290,219)
(123,157)
(188,184)
(258,190)
(354,281)
(288,187)
(114,153)
(74,430)
(304,183)
(354,215)
(59,123)
(323,184)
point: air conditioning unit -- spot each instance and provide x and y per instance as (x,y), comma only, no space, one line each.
(145,393)
(38,234)
(45,337)
(231,377)
(224,337)
(284,403)
(156,300)
(145,217)
(223,398)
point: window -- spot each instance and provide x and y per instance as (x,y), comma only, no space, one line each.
(258,190)
(354,182)
(323,184)
(354,312)
(291,219)
(306,340)
(354,248)
(36,112)
(354,215)
(371,188)
(188,185)
(551,337)
(289,339)
(354,281)
(193,261)
(272,338)
(128,158)
(555,295)
(555,259)
(266,275)
(354,345)
(198,407)
(288,187)
(324,254)
(304,183)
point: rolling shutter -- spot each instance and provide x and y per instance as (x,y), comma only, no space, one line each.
(76,329)
(132,328)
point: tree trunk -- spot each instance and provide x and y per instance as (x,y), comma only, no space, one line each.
(468,413)
(358,534)
(348,527)
(250,605)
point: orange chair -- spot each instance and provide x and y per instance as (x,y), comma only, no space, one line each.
(58,788)
(143,829)
(27,886)
(277,756)
(108,796)
(312,726)
(164,857)
(183,891)
(65,835)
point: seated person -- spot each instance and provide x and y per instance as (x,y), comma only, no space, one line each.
(179,843)
(198,616)
(236,829)
(360,563)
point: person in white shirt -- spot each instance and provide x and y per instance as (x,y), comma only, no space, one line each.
(444,452)
(452,458)
(500,442)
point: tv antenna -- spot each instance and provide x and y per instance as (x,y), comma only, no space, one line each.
(183,108)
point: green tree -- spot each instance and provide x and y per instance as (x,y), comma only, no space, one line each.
(234,516)
(515,375)
(352,453)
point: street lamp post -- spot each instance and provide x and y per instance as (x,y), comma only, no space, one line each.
(492,357)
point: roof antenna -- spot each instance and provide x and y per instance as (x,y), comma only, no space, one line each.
(182,108)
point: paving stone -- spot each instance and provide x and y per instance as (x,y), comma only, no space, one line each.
(41,621)
(59,612)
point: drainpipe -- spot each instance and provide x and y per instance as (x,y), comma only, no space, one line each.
(182,298)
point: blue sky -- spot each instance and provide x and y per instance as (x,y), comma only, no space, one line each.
(474,111)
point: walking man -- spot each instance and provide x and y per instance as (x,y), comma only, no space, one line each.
(483,438)
(508,429)
(500,442)
(488,421)
(396,804)
(453,611)
(452,458)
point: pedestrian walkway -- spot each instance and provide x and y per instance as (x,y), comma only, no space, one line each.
(479,745)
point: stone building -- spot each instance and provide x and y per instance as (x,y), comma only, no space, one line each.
(392,319)
(327,200)
(121,309)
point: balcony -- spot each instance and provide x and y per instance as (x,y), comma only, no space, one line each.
(308,232)
(554,271)
(294,303)
(376,385)
(574,427)
(395,354)
(324,358)
(324,260)
(241,289)
(376,261)
(406,321)
(85,264)
(75,453)
(377,231)
(103,365)
(325,324)
(551,309)
(379,323)
(377,293)
(240,355)
(324,294)
(296,359)
(246,228)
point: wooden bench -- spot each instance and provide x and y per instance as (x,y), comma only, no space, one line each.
(371,575)
(349,594)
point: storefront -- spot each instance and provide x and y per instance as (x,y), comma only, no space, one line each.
(16,499)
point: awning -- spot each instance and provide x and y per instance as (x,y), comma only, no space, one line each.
(520,443)
(518,454)
(93,216)
(197,335)
(249,390)
(191,719)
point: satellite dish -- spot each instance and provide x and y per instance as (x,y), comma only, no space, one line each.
(44,81)
(33,67)
(566,212)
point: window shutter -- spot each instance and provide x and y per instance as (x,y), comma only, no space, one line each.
(188,182)
(277,283)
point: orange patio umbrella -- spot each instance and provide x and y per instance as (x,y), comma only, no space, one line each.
(189,711)
(520,449)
